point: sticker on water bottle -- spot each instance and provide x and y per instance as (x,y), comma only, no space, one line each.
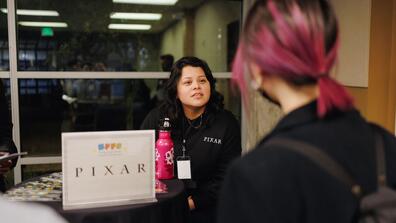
(183,167)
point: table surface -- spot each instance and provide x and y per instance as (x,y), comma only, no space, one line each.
(170,207)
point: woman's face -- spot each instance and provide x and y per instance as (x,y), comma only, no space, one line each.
(193,88)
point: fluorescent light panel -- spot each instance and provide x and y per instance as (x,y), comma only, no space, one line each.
(43,24)
(147,2)
(33,12)
(130,26)
(136,16)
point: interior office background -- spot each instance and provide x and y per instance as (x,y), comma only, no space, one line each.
(113,73)
(78,74)
(366,66)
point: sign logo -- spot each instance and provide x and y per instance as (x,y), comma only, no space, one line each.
(106,147)
(112,148)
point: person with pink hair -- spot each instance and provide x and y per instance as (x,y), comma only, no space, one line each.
(286,52)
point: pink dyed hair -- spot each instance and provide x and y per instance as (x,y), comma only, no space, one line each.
(298,40)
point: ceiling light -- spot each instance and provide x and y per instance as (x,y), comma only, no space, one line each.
(130,26)
(43,24)
(136,16)
(147,2)
(33,12)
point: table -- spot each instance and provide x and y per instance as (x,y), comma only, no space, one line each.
(172,207)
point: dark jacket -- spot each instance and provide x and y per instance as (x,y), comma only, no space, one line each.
(278,185)
(6,143)
(211,147)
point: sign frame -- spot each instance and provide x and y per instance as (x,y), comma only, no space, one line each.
(100,169)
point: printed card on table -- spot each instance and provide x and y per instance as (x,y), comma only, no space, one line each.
(108,168)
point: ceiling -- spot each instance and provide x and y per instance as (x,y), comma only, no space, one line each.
(93,15)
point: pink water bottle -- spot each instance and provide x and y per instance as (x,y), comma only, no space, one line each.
(164,151)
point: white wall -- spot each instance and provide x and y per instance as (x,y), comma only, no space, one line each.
(210,34)
(172,41)
(211,22)
(354,18)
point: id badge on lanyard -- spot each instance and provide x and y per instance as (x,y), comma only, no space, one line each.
(183,164)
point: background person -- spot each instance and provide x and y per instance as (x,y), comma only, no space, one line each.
(166,62)
(212,134)
(289,48)
(6,143)
(166,66)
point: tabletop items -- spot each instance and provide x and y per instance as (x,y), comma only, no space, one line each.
(49,188)
(171,205)
(45,188)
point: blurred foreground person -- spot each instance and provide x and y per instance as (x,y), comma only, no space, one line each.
(23,212)
(7,146)
(287,50)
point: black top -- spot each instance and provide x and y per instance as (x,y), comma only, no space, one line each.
(278,185)
(6,143)
(171,207)
(212,145)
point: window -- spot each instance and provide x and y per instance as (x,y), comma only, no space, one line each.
(49,107)
(4,64)
(206,29)
(70,78)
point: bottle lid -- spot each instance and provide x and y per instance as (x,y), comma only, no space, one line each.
(165,124)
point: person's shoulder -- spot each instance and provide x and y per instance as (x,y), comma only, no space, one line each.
(151,120)
(225,120)
(266,166)
(389,138)
(226,116)
(269,158)
(227,113)
(154,113)
(381,130)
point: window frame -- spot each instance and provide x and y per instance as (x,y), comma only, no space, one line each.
(14,75)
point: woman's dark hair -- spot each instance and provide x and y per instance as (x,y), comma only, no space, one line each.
(172,106)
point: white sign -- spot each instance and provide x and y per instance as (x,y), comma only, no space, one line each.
(108,168)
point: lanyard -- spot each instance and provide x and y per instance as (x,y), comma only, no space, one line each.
(184,134)
(184,148)
(187,131)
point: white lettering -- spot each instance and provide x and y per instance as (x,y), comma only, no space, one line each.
(212,140)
